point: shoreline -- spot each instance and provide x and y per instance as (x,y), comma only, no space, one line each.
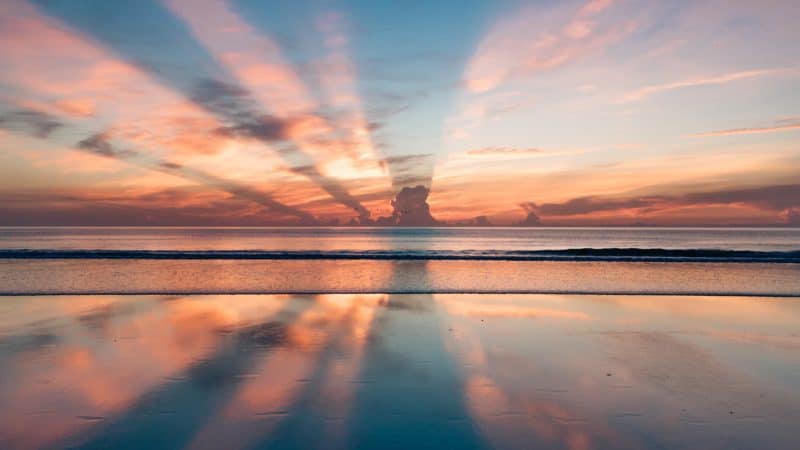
(161,276)
(613,254)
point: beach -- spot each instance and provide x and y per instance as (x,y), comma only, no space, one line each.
(166,338)
(399,371)
(378,225)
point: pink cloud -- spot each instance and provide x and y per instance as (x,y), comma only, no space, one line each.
(792,124)
(516,47)
(641,93)
(596,6)
(342,141)
(76,107)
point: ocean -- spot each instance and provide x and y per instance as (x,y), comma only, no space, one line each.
(399,260)
(426,241)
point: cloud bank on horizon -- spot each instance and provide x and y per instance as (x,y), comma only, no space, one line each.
(529,113)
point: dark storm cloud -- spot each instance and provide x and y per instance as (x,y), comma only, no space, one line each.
(35,123)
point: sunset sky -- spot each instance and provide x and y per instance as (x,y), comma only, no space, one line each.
(248,112)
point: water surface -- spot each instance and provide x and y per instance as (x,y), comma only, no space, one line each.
(396,239)
(399,371)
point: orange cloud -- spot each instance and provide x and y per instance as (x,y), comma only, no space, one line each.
(76,107)
(258,63)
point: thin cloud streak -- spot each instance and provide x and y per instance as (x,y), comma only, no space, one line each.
(642,93)
(783,126)
(784,199)
(520,152)
(504,151)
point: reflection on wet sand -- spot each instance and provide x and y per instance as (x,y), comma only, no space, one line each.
(633,372)
(410,386)
(379,371)
(311,378)
(108,369)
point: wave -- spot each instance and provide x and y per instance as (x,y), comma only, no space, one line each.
(577,254)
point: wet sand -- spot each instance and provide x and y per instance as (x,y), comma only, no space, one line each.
(399,371)
(143,276)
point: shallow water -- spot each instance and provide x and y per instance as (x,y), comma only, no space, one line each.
(399,371)
(135,276)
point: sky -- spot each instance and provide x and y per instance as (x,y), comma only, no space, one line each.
(528,113)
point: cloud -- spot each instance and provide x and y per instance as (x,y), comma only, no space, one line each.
(234,104)
(410,208)
(101,144)
(793,217)
(504,151)
(522,152)
(409,170)
(322,125)
(516,47)
(32,122)
(595,6)
(76,107)
(792,124)
(185,206)
(647,91)
(481,221)
(407,160)
(207,83)
(590,204)
(531,219)
(775,198)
